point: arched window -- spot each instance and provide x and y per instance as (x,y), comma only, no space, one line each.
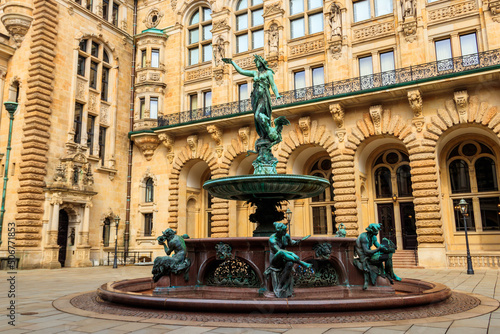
(322,206)
(106,229)
(472,173)
(404,181)
(199,36)
(249,25)
(149,194)
(306,17)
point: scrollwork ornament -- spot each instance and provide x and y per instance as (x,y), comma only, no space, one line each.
(153,18)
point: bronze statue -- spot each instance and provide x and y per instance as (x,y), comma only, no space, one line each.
(261,105)
(341,232)
(282,261)
(374,262)
(164,265)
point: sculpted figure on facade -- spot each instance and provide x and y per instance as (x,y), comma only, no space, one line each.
(408,8)
(335,20)
(273,39)
(219,51)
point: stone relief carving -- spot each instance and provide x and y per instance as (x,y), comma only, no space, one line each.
(494,6)
(147,144)
(153,18)
(219,51)
(337,112)
(192,142)
(244,134)
(173,3)
(335,20)
(416,102)
(336,48)
(376,116)
(410,30)
(275,8)
(216,134)
(273,40)
(17,20)
(80,90)
(168,141)
(203,73)
(409,8)
(462,102)
(374,30)
(247,62)
(305,125)
(220,25)
(104,114)
(93,103)
(309,47)
(453,10)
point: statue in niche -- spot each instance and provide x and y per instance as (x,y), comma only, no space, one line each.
(374,262)
(219,51)
(71,237)
(177,263)
(282,261)
(408,8)
(261,105)
(273,40)
(335,20)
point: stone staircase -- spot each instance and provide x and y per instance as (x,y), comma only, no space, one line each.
(405,259)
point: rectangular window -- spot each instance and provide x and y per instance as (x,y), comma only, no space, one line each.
(383,7)
(83,45)
(114,14)
(297,28)
(155,58)
(102,144)
(468,47)
(153,107)
(194,36)
(257,39)
(241,43)
(105,9)
(241,22)
(77,124)
(148,224)
(94,50)
(257,18)
(142,107)
(93,74)
(490,214)
(89,5)
(311,4)
(207,52)
(242,92)
(143,58)
(299,81)
(90,133)
(194,56)
(104,83)
(207,32)
(361,10)
(315,23)
(318,80)
(319,220)
(444,55)
(387,68)
(80,70)
(365,72)
(207,103)
(296,6)
(193,102)
(459,219)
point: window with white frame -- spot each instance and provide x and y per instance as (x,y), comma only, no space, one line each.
(109,9)
(199,36)
(153,107)
(366,71)
(249,25)
(148,224)
(444,54)
(469,49)
(322,206)
(366,9)
(306,17)
(387,68)
(207,103)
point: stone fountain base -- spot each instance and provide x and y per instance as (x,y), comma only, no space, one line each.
(232,280)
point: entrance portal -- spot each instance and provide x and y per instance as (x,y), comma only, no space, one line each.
(386,219)
(62,236)
(408,226)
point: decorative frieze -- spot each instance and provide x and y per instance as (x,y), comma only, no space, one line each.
(275,8)
(374,31)
(308,48)
(201,74)
(452,11)
(247,62)
(494,6)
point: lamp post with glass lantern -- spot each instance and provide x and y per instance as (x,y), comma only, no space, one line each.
(115,262)
(464,208)
(288,218)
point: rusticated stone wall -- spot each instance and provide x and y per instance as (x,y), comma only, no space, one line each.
(36,130)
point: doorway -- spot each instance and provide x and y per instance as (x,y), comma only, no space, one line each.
(408,227)
(62,236)
(386,219)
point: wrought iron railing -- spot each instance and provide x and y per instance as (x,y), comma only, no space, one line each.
(399,76)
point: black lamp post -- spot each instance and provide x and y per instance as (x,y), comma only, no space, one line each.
(464,208)
(288,218)
(115,262)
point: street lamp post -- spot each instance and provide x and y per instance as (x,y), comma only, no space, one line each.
(115,262)
(288,218)
(11,108)
(464,208)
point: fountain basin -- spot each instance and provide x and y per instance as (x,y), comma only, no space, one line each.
(276,187)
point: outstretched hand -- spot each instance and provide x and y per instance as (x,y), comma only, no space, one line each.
(227,60)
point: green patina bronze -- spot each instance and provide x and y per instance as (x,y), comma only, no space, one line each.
(269,135)
(175,264)
(374,262)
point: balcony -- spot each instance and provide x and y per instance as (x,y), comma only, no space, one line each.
(413,75)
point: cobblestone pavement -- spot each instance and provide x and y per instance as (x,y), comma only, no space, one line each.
(35,290)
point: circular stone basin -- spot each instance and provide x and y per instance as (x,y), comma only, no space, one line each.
(275,187)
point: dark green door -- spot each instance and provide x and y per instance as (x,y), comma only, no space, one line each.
(62,236)
(386,218)
(408,226)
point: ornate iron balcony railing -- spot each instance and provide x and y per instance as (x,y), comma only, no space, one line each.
(329,90)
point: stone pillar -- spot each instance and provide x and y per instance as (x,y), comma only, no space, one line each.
(51,251)
(345,192)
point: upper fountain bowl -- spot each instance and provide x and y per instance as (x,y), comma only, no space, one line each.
(261,187)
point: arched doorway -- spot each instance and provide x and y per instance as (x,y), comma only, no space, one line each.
(62,236)
(394,198)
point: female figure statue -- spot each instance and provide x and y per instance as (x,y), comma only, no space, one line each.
(260,97)
(335,20)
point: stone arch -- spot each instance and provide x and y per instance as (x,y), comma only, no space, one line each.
(100,37)
(197,149)
(377,122)
(187,7)
(305,132)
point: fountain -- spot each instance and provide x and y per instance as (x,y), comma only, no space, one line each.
(271,271)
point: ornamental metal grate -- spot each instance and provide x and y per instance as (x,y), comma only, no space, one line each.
(399,76)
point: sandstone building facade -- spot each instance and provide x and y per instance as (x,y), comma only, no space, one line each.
(126,108)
